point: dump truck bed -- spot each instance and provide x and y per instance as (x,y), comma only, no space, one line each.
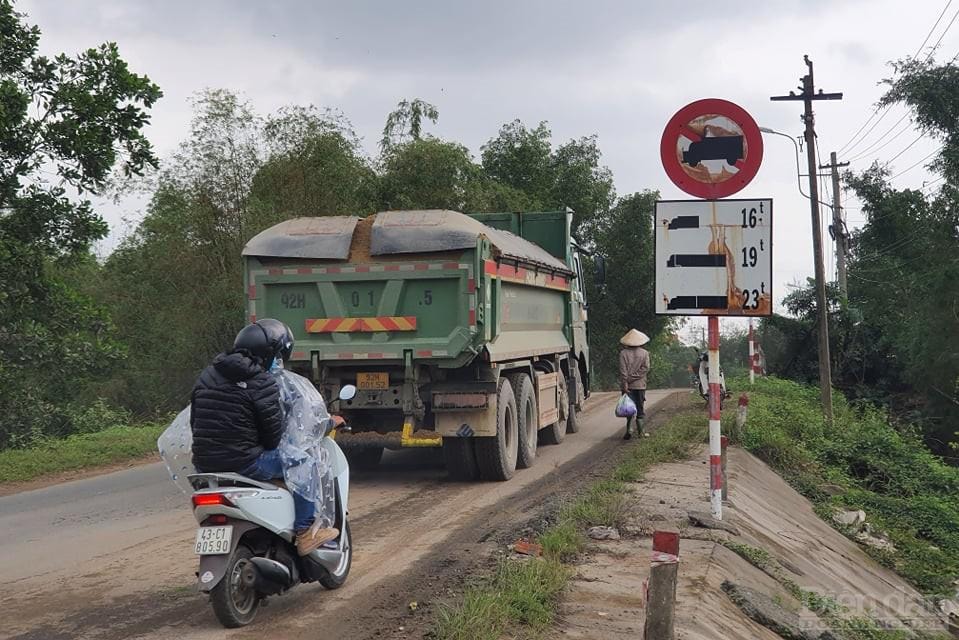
(433,284)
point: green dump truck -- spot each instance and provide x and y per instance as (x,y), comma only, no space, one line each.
(466,332)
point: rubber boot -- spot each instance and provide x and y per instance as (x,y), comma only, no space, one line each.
(641,427)
(629,434)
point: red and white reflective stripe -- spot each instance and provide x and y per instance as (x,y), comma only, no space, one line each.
(752,354)
(362,268)
(365,356)
(523,275)
(715,445)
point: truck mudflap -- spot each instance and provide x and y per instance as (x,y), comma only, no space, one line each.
(409,437)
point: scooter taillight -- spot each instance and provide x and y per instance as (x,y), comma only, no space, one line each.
(210,500)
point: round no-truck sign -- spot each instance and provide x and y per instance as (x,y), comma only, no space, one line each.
(711,148)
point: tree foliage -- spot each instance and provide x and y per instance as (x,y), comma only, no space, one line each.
(405,123)
(569,176)
(624,236)
(175,285)
(65,124)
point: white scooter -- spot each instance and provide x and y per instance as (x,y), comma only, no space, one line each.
(246,540)
(701,378)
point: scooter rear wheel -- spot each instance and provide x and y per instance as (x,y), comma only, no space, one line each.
(336,579)
(234,598)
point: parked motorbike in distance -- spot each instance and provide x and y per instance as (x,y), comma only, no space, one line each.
(701,377)
(246,539)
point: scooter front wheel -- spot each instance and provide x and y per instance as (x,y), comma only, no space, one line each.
(337,578)
(234,599)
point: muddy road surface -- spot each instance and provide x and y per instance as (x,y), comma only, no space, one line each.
(111,556)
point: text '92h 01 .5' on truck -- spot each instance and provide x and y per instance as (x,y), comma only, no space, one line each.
(461,331)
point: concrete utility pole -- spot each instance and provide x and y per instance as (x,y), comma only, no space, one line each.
(808,95)
(838,226)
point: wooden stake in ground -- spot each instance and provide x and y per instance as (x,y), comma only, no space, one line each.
(661,589)
(715,398)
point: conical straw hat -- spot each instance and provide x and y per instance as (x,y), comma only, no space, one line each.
(634,339)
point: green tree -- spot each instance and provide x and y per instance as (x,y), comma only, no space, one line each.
(428,173)
(624,236)
(316,168)
(568,176)
(175,286)
(405,123)
(521,158)
(65,124)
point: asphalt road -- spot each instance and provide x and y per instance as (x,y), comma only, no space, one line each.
(111,556)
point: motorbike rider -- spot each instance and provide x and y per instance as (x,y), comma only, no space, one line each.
(237,421)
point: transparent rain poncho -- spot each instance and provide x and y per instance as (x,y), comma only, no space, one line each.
(307,465)
(176,450)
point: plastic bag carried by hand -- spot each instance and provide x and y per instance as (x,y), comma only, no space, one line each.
(625,408)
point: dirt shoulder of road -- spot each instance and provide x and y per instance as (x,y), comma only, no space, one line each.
(405,606)
(792,566)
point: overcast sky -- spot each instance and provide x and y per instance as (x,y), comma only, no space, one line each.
(617,69)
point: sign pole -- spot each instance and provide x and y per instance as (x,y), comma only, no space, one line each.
(715,443)
(752,355)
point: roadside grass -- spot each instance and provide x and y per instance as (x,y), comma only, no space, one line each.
(521,595)
(909,495)
(110,446)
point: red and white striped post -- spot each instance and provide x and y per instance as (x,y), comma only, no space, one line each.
(752,354)
(715,445)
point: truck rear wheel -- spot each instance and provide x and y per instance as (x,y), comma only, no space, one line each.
(460,459)
(527,418)
(496,455)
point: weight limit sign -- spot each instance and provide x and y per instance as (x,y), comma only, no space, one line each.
(714,257)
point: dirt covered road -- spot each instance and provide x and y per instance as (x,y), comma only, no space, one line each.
(111,556)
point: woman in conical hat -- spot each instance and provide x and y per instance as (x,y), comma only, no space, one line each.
(633,368)
(634,338)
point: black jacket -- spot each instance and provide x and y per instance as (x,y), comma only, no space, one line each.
(235,414)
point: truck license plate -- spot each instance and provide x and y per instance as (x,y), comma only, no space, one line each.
(212,541)
(373,381)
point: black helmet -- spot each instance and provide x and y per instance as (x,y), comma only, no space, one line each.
(265,340)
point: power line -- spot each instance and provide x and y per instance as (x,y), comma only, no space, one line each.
(865,152)
(929,35)
(849,146)
(913,166)
(890,161)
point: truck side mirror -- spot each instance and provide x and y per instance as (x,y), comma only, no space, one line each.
(599,271)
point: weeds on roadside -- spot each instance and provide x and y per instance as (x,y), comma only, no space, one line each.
(80,451)
(521,596)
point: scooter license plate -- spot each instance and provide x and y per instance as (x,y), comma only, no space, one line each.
(211,541)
